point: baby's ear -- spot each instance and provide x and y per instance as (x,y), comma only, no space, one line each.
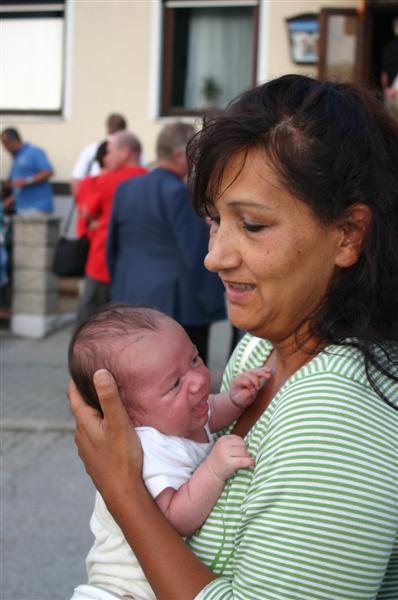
(353,227)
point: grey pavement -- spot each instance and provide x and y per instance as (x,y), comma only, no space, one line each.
(46,496)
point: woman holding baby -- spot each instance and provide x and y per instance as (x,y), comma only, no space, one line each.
(299,179)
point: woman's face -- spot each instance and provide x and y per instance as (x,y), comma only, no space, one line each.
(275,259)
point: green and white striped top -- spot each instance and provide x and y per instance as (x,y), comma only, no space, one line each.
(317,518)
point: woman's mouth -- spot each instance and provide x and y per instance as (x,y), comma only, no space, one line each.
(237,291)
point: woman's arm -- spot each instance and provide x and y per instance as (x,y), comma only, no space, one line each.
(172,569)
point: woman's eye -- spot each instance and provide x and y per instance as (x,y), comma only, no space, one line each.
(253,227)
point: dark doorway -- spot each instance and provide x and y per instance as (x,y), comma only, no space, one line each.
(380,34)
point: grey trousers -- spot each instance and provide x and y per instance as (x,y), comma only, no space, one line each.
(95,294)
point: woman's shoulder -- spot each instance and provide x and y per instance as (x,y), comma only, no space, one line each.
(330,406)
(337,370)
(251,352)
(337,378)
(345,362)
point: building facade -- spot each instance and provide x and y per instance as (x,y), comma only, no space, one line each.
(66,65)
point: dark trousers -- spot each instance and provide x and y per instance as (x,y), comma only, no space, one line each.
(236,336)
(95,294)
(199,335)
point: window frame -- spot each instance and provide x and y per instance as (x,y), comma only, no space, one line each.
(38,9)
(166,108)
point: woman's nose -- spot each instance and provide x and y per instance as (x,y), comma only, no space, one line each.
(222,250)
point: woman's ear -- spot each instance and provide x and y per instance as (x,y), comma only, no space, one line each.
(353,228)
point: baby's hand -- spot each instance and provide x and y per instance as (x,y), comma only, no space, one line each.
(228,454)
(245,387)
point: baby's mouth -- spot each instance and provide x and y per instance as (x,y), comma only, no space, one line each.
(201,408)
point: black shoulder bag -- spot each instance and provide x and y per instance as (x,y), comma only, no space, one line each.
(70,254)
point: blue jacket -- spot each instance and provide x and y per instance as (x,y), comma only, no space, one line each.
(155,250)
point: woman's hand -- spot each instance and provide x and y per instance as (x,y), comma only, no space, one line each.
(108,446)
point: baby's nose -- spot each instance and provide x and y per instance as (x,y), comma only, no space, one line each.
(196,382)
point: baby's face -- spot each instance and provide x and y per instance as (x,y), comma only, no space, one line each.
(171,383)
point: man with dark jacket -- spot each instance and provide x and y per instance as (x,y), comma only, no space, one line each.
(157,244)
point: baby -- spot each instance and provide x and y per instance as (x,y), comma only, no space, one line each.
(165,388)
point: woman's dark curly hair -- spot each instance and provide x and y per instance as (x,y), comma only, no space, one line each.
(332,145)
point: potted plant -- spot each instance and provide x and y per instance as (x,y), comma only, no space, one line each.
(210,90)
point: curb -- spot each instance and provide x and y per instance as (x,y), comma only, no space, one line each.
(34,426)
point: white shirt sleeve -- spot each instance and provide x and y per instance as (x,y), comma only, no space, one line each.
(169,461)
(82,165)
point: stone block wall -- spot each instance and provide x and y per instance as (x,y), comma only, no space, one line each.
(35,288)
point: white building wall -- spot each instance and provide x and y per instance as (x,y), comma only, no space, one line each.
(114,59)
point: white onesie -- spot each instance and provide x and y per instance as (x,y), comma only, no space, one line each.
(169,461)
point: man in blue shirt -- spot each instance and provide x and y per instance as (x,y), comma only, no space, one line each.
(29,175)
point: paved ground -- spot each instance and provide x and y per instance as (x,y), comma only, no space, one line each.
(46,497)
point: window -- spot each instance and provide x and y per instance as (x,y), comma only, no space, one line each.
(32,57)
(339,35)
(209,53)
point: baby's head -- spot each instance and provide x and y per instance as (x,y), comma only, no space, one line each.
(161,379)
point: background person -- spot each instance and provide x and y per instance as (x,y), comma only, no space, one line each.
(29,175)
(122,161)
(156,243)
(300,180)
(167,398)
(87,187)
(87,165)
(389,72)
(3,251)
